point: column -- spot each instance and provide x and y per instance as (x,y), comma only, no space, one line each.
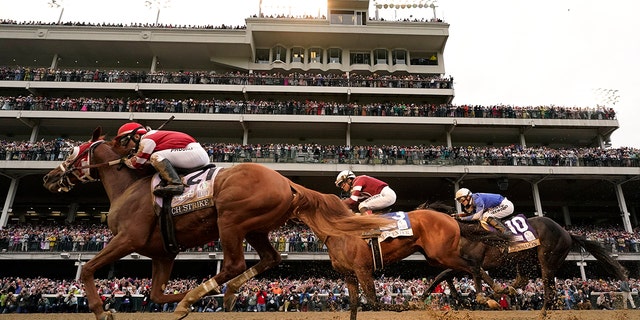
(245,133)
(623,208)
(523,141)
(348,133)
(566,215)
(8,202)
(581,265)
(154,62)
(54,62)
(34,133)
(536,199)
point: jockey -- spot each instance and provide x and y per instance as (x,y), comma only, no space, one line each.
(489,207)
(164,150)
(367,192)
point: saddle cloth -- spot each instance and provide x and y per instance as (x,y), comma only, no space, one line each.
(400,228)
(525,237)
(198,192)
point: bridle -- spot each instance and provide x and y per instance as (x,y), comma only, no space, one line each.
(80,167)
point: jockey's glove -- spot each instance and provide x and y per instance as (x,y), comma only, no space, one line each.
(129,163)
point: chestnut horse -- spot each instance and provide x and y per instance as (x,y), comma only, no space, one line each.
(250,201)
(555,244)
(438,237)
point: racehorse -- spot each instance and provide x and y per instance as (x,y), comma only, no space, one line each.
(438,237)
(555,244)
(249,200)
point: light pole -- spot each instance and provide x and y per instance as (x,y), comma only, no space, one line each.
(157,4)
(57,4)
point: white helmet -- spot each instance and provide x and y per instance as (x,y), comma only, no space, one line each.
(462,192)
(343,176)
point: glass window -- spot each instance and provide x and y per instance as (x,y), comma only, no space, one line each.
(279,54)
(360,58)
(381,56)
(262,55)
(342,17)
(297,54)
(315,55)
(335,55)
(361,18)
(399,57)
(424,58)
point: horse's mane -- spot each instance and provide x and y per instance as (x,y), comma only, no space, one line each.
(326,214)
(437,206)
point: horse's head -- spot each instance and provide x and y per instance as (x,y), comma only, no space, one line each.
(76,168)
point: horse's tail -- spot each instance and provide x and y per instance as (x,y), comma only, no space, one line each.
(327,215)
(602,255)
(476,233)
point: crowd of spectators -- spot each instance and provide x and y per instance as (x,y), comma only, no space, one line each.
(227,78)
(511,155)
(44,295)
(187,26)
(81,237)
(299,107)
(120,25)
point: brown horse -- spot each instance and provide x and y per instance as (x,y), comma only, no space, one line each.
(250,201)
(438,237)
(555,244)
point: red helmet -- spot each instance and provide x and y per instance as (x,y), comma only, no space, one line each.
(129,128)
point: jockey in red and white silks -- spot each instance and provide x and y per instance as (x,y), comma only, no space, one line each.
(179,148)
(370,194)
(165,151)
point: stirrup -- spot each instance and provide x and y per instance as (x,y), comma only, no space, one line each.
(168,190)
(373,233)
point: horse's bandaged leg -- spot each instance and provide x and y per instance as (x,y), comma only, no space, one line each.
(245,276)
(201,290)
(211,285)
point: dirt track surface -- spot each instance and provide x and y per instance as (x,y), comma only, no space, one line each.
(407,315)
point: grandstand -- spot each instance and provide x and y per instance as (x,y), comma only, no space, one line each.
(288,86)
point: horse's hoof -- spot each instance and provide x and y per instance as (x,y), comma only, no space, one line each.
(106,316)
(229,302)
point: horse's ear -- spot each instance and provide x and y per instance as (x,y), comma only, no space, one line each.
(96,134)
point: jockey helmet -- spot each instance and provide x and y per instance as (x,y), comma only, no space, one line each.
(131,127)
(343,176)
(461,193)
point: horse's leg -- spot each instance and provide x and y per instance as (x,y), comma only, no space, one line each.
(118,247)
(233,264)
(487,279)
(161,271)
(352,285)
(520,280)
(548,282)
(269,258)
(442,276)
(477,276)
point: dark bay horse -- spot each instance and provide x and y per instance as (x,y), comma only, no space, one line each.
(555,244)
(250,201)
(438,237)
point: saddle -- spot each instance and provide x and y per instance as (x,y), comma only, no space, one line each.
(198,195)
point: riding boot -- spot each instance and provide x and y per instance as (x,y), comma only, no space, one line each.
(498,225)
(168,173)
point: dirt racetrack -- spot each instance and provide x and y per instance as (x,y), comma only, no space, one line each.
(386,315)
